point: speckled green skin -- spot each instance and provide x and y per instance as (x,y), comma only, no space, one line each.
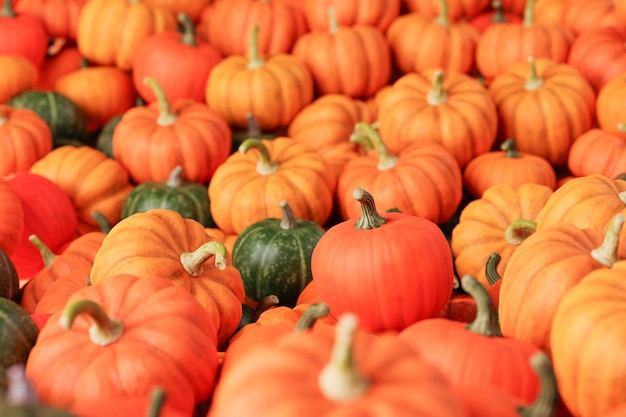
(277,261)
(104,141)
(18,332)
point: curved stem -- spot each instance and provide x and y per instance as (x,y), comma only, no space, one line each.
(174,179)
(254,58)
(167,117)
(192,262)
(546,402)
(519,230)
(510,149)
(157,399)
(370,218)
(442,19)
(533,81)
(263,305)
(491,268)
(288,220)
(340,380)
(265,166)
(189,30)
(437,94)
(103,222)
(498,12)
(103,331)
(254,131)
(46,254)
(311,315)
(607,253)
(333,26)
(529,13)
(367,136)
(7,9)
(486,321)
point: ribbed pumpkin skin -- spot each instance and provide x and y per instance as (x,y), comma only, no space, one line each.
(597,152)
(580,15)
(19,333)
(191,8)
(18,75)
(610,105)
(9,281)
(378,13)
(12,215)
(56,295)
(457,9)
(60,18)
(405,115)
(483,223)
(538,119)
(276,261)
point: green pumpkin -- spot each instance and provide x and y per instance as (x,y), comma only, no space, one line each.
(274,256)
(65,118)
(189,199)
(104,141)
(9,281)
(18,332)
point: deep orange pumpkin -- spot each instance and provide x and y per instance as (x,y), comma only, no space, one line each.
(457,9)
(610,105)
(377,13)
(66,60)
(598,152)
(18,75)
(191,8)
(12,215)
(59,18)
(581,15)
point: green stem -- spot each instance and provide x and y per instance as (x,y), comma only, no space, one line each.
(365,135)
(533,81)
(265,166)
(7,9)
(606,254)
(288,221)
(529,13)
(486,321)
(491,268)
(333,26)
(498,12)
(174,179)
(167,117)
(189,30)
(46,254)
(103,222)
(157,399)
(340,380)
(311,315)
(370,218)
(437,95)
(103,330)
(192,261)
(254,58)
(519,230)
(547,400)
(621,127)
(510,149)
(443,19)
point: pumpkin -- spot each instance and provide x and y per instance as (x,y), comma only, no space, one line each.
(60,290)
(62,115)
(475,353)
(22,34)
(273,255)
(191,8)
(499,221)
(185,53)
(273,89)
(376,13)
(528,97)
(59,18)
(458,9)
(494,15)
(580,15)
(104,140)
(19,333)
(249,185)
(391,270)
(609,103)
(189,134)
(549,12)
(507,166)
(66,60)
(24,137)
(351,60)
(320,373)
(590,314)
(422,179)
(501,46)
(189,260)
(110,31)
(9,281)
(160,329)
(18,75)
(12,213)
(92,181)
(452,43)
(533,285)
(421,107)
(598,152)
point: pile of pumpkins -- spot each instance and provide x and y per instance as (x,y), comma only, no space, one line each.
(332,207)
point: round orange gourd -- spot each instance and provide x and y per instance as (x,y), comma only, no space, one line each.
(457,9)
(377,13)
(19,74)
(66,60)
(580,15)
(59,18)
(610,105)
(598,152)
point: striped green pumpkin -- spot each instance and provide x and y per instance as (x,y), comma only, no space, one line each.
(9,281)
(18,333)
(274,256)
(189,199)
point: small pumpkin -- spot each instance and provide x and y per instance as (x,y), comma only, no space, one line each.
(377,13)
(19,333)
(18,75)
(59,18)
(458,9)
(22,34)
(493,16)
(609,105)
(66,60)
(598,152)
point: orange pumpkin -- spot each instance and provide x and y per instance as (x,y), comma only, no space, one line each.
(59,18)
(66,60)
(457,9)
(59,292)
(19,74)
(610,105)
(377,13)
(583,15)
(547,12)
(12,213)
(598,152)
(191,8)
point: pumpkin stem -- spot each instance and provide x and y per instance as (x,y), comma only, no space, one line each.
(288,220)
(340,380)
(529,13)
(498,12)
(533,81)
(510,149)
(370,218)
(189,30)
(333,26)
(7,9)
(486,321)
(622,196)
(46,254)
(192,261)
(254,58)
(365,135)
(491,268)
(254,131)
(442,19)
(174,179)
(437,94)
(157,399)
(103,331)
(311,315)
(606,254)
(519,230)
(102,221)
(263,305)
(546,402)
(621,127)
(265,166)
(3,116)
(167,117)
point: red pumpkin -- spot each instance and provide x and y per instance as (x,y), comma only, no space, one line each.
(22,34)
(12,215)
(67,60)
(59,17)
